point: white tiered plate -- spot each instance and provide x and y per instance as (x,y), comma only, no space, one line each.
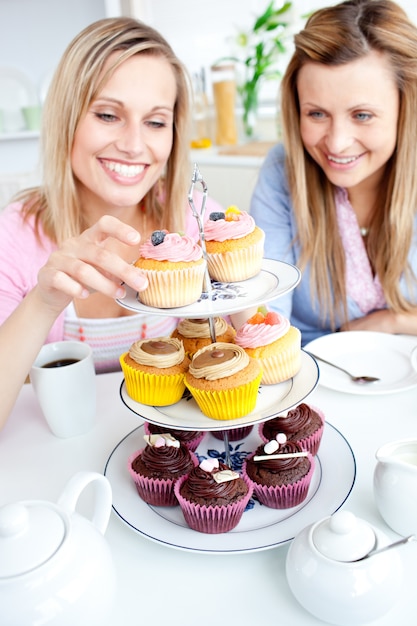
(260,528)
(272,399)
(275,279)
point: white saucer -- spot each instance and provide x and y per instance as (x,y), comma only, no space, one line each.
(385,356)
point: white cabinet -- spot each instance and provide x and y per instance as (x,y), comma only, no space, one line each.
(229,179)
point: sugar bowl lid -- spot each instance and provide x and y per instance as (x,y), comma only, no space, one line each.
(344,537)
(30,533)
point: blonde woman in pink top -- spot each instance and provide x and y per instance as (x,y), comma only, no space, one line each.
(115,167)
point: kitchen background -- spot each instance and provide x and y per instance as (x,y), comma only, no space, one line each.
(34,33)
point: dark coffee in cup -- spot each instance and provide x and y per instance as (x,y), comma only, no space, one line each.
(61,363)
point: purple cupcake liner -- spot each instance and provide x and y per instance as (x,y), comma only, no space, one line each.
(282,496)
(192,444)
(155,491)
(212,519)
(309,444)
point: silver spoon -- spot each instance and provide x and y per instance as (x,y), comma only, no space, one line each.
(388,547)
(356,379)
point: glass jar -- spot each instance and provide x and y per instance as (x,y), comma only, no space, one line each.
(224,97)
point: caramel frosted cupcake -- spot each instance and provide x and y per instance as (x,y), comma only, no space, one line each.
(280,472)
(157,467)
(213,497)
(154,371)
(224,381)
(271,339)
(174,267)
(195,333)
(190,438)
(304,425)
(234,245)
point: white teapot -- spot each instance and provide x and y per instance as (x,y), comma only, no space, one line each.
(55,565)
(395,485)
(329,576)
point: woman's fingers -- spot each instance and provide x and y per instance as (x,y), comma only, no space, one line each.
(89,263)
(109,226)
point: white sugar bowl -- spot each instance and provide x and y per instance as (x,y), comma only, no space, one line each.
(56,568)
(327,577)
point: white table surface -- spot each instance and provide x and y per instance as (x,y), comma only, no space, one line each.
(162,585)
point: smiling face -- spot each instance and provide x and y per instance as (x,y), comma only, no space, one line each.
(123,142)
(348,118)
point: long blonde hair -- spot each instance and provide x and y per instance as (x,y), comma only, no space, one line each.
(335,36)
(76,82)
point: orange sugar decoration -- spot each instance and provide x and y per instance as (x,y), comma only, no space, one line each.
(258,318)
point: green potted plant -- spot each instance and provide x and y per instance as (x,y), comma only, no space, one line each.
(261,48)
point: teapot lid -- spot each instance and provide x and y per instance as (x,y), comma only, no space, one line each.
(30,533)
(344,537)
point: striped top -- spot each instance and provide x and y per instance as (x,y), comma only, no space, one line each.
(111,337)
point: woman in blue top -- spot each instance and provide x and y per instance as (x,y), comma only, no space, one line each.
(339,198)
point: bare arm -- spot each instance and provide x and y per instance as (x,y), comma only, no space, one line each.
(82,265)
(386,321)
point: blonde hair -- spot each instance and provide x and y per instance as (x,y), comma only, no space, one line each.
(76,82)
(335,36)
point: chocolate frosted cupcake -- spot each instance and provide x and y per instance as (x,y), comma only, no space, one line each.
(224,381)
(190,438)
(195,333)
(156,468)
(304,425)
(233,434)
(280,472)
(213,497)
(154,371)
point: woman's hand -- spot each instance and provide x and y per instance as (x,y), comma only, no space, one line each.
(88,263)
(385,321)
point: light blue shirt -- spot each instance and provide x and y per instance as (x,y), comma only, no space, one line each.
(272,210)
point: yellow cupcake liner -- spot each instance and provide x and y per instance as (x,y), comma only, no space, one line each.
(151,389)
(173,288)
(236,265)
(227,404)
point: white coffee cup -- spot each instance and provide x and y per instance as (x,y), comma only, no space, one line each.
(64,380)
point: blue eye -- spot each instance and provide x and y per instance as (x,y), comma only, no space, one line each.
(155,124)
(316,115)
(363,117)
(106,117)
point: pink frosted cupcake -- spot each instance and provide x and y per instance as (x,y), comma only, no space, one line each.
(270,338)
(156,468)
(174,267)
(213,497)
(303,425)
(280,473)
(190,438)
(234,245)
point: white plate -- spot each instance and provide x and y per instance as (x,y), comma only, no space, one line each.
(16,91)
(385,356)
(275,279)
(260,528)
(272,399)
